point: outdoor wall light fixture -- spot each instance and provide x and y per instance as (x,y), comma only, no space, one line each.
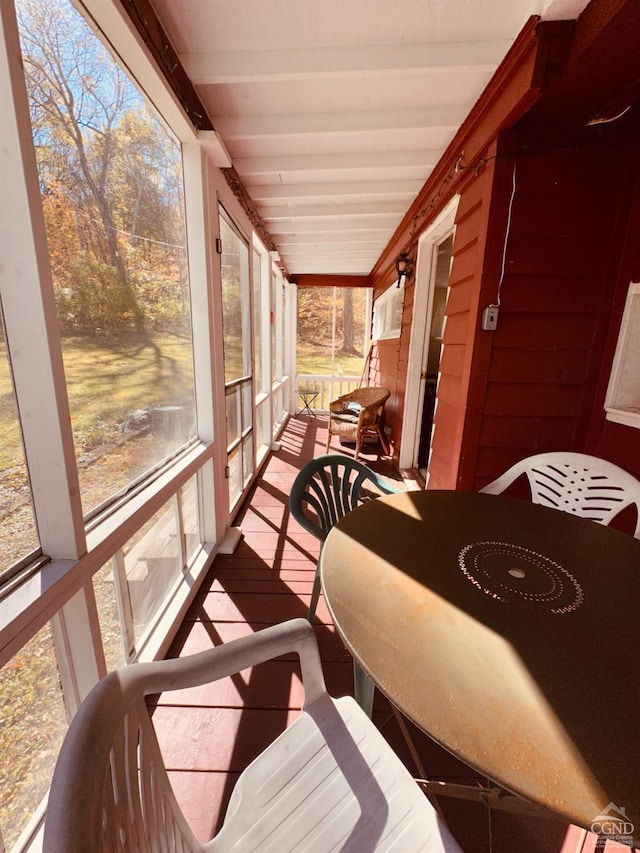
(404,268)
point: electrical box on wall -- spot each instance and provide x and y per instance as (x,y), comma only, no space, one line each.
(490,318)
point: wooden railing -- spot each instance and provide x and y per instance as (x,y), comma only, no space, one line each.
(327,388)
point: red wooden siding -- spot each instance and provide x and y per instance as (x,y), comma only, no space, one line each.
(571,227)
(510,93)
(613,441)
(554,300)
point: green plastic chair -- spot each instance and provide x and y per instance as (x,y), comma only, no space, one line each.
(325,490)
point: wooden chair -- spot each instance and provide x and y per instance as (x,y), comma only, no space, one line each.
(583,485)
(329,782)
(357,415)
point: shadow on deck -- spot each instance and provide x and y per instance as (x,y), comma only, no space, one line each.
(209,734)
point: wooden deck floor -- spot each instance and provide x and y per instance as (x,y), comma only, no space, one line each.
(209,734)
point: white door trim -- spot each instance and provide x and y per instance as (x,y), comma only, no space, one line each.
(441,226)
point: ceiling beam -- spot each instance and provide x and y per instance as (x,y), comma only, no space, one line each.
(344,210)
(359,249)
(260,66)
(332,280)
(334,237)
(320,162)
(346,268)
(325,124)
(397,189)
(381,225)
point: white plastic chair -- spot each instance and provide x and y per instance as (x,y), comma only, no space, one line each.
(584,485)
(329,782)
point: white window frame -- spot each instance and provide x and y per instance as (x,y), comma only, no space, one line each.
(433,235)
(622,401)
(384,313)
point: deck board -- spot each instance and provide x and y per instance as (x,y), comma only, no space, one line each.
(208,734)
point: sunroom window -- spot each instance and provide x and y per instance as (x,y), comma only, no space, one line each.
(333,328)
(18,534)
(34,723)
(112,192)
(261,346)
(236,318)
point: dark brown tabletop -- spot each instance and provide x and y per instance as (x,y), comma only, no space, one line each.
(508,632)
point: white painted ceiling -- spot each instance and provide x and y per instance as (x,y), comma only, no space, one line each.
(334,112)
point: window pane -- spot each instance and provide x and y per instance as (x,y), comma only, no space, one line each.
(247,406)
(34,723)
(110,626)
(234,462)
(235,303)
(112,192)
(332,331)
(262,429)
(152,567)
(257,321)
(247,454)
(190,518)
(18,534)
(282,322)
(233,415)
(274,373)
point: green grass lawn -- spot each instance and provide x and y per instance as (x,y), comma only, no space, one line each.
(108,379)
(311,359)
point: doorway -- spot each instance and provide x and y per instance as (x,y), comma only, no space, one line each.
(425,343)
(441,265)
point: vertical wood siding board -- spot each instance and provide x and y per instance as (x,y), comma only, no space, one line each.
(537,434)
(452,360)
(456,329)
(459,296)
(520,293)
(575,260)
(448,435)
(624,267)
(516,365)
(470,201)
(491,225)
(511,92)
(532,400)
(570,215)
(445,413)
(507,431)
(513,89)
(555,332)
(467,229)
(560,172)
(465,263)
(553,254)
(449,391)
(440,474)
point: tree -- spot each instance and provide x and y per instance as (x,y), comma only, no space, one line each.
(77,96)
(348,345)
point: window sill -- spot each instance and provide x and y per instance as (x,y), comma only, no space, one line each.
(629,416)
(48,588)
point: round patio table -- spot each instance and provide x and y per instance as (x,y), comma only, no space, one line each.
(509,633)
